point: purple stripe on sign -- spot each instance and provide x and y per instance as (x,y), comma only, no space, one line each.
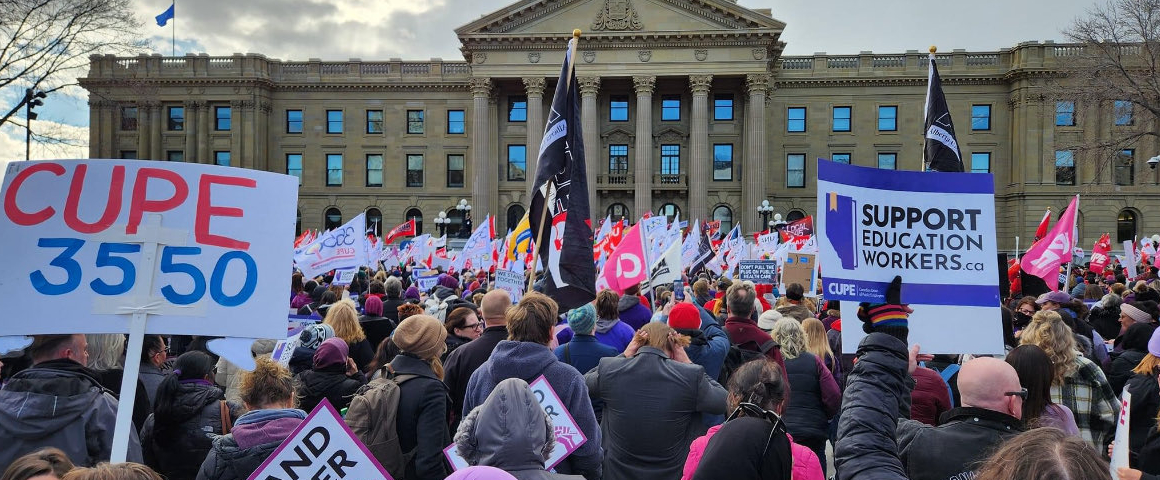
(917,293)
(903,180)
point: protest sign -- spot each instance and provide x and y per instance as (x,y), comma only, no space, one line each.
(800,268)
(757,271)
(426,283)
(568,434)
(321,447)
(342,247)
(344,276)
(1121,447)
(936,230)
(1129,261)
(512,282)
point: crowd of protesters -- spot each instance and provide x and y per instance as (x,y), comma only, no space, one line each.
(720,379)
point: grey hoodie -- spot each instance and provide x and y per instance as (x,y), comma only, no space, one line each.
(603,325)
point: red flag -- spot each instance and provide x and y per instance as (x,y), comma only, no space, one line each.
(1044,258)
(1100,251)
(406,228)
(1042,230)
(298,241)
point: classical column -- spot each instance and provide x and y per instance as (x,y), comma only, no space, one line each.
(753,188)
(143,110)
(203,126)
(592,147)
(482,169)
(642,162)
(158,118)
(236,134)
(261,145)
(109,126)
(249,135)
(96,108)
(191,128)
(700,168)
(535,124)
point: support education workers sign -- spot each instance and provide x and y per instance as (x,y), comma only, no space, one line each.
(936,230)
(112,238)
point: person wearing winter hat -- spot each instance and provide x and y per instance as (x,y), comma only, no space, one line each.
(376,326)
(423,400)
(412,293)
(308,341)
(1131,313)
(510,431)
(583,350)
(609,329)
(708,342)
(333,376)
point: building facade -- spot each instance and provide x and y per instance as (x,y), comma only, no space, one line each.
(688,106)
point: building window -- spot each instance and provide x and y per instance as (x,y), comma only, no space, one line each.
(414,170)
(333,169)
(670,108)
(293,121)
(1065,113)
(794,215)
(617,211)
(1123,112)
(455,122)
(332,219)
(128,154)
(517,108)
(221,158)
(795,170)
(841,119)
(670,162)
(618,109)
(175,156)
(795,119)
(374,121)
(374,221)
(294,166)
(334,121)
(1126,226)
(417,216)
(723,107)
(374,170)
(414,122)
(840,158)
(176,119)
(455,171)
(723,162)
(888,118)
(670,211)
(1125,167)
(888,161)
(1064,167)
(515,213)
(981,162)
(222,118)
(129,118)
(724,215)
(618,159)
(517,161)
(980,117)
(298,223)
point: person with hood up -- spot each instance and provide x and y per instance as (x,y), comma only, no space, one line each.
(375,325)
(412,295)
(654,398)
(583,351)
(609,329)
(268,395)
(510,431)
(1134,348)
(302,358)
(188,413)
(59,403)
(423,413)
(437,305)
(334,377)
(525,355)
(631,310)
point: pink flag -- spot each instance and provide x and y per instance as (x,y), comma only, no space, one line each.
(1100,251)
(1045,256)
(626,266)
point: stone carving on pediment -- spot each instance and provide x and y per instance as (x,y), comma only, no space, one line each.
(478,58)
(670,135)
(589,56)
(534,57)
(619,135)
(758,53)
(617,15)
(644,55)
(701,54)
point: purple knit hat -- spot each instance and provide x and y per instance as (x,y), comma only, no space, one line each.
(412,292)
(374,306)
(332,351)
(1154,343)
(448,281)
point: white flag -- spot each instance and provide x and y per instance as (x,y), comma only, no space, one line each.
(342,247)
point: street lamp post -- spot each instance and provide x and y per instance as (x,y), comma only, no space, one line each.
(31,100)
(441,223)
(765,209)
(465,213)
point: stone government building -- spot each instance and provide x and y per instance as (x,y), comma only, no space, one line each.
(688,106)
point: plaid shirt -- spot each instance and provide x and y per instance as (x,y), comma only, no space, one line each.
(1089,396)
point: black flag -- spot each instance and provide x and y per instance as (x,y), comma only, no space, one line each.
(565,242)
(942,152)
(704,254)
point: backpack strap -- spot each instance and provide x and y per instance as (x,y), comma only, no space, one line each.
(769,345)
(947,374)
(567,356)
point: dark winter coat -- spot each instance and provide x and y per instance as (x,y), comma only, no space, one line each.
(177,449)
(465,361)
(814,398)
(633,312)
(255,436)
(111,380)
(1144,407)
(301,360)
(745,333)
(1150,457)
(331,383)
(1106,320)
(930,398)
(583,352)
(1121,369)
(376,329)
(877,395)
(391,308)
(453,343)
(422,418)
(362,353)
(708,350)
(954,449)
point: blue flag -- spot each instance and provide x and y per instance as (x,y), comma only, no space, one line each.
(165,16)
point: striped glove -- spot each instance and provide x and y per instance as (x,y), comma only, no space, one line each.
(891,317)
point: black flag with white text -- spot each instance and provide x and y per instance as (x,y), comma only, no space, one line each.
(941,153)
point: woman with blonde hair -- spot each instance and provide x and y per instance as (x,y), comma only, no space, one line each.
(107,361)
(815,397)
(1077,383)
(818,343)
(113,471)
(343,318)
(1044,454)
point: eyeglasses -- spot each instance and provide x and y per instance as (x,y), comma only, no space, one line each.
(1027,312)
(474,326)
(1022,393)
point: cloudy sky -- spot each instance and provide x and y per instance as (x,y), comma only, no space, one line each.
(422,29)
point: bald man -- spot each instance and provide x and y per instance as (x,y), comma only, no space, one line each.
(992,402)
(466,359)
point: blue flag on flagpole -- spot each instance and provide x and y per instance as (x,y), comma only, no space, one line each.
(165,16)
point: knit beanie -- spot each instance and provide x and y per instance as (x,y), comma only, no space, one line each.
(685,316)
(374,306)
(582,319)
(1154,343)
(448,281)
(1138,315)
(332,351)
(412,292)
(313,335)
(421,335)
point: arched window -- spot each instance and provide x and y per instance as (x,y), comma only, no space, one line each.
(515,213)
(298,224)
(417,215)
(725,215)
(456,222)
(1126,226)
(794,215)
(617,211)
(374,221)
(332,219)
(670,211)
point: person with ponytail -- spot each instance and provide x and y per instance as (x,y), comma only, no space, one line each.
(188,407)
(422,421)
(268,394)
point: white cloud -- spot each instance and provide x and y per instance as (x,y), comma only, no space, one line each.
(12,142)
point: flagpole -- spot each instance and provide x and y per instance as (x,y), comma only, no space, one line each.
(173,32)
(1071,254)
(544,210)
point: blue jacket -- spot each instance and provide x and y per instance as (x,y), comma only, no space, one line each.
(613,333)
(584,352)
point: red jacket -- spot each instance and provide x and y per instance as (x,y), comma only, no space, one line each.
(744,333)
(930,397)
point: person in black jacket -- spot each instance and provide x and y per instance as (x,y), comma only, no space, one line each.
(466,360)
(393,298)
(188,412)
(1133,347)
(334,377)
(423,413)
(375,325)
